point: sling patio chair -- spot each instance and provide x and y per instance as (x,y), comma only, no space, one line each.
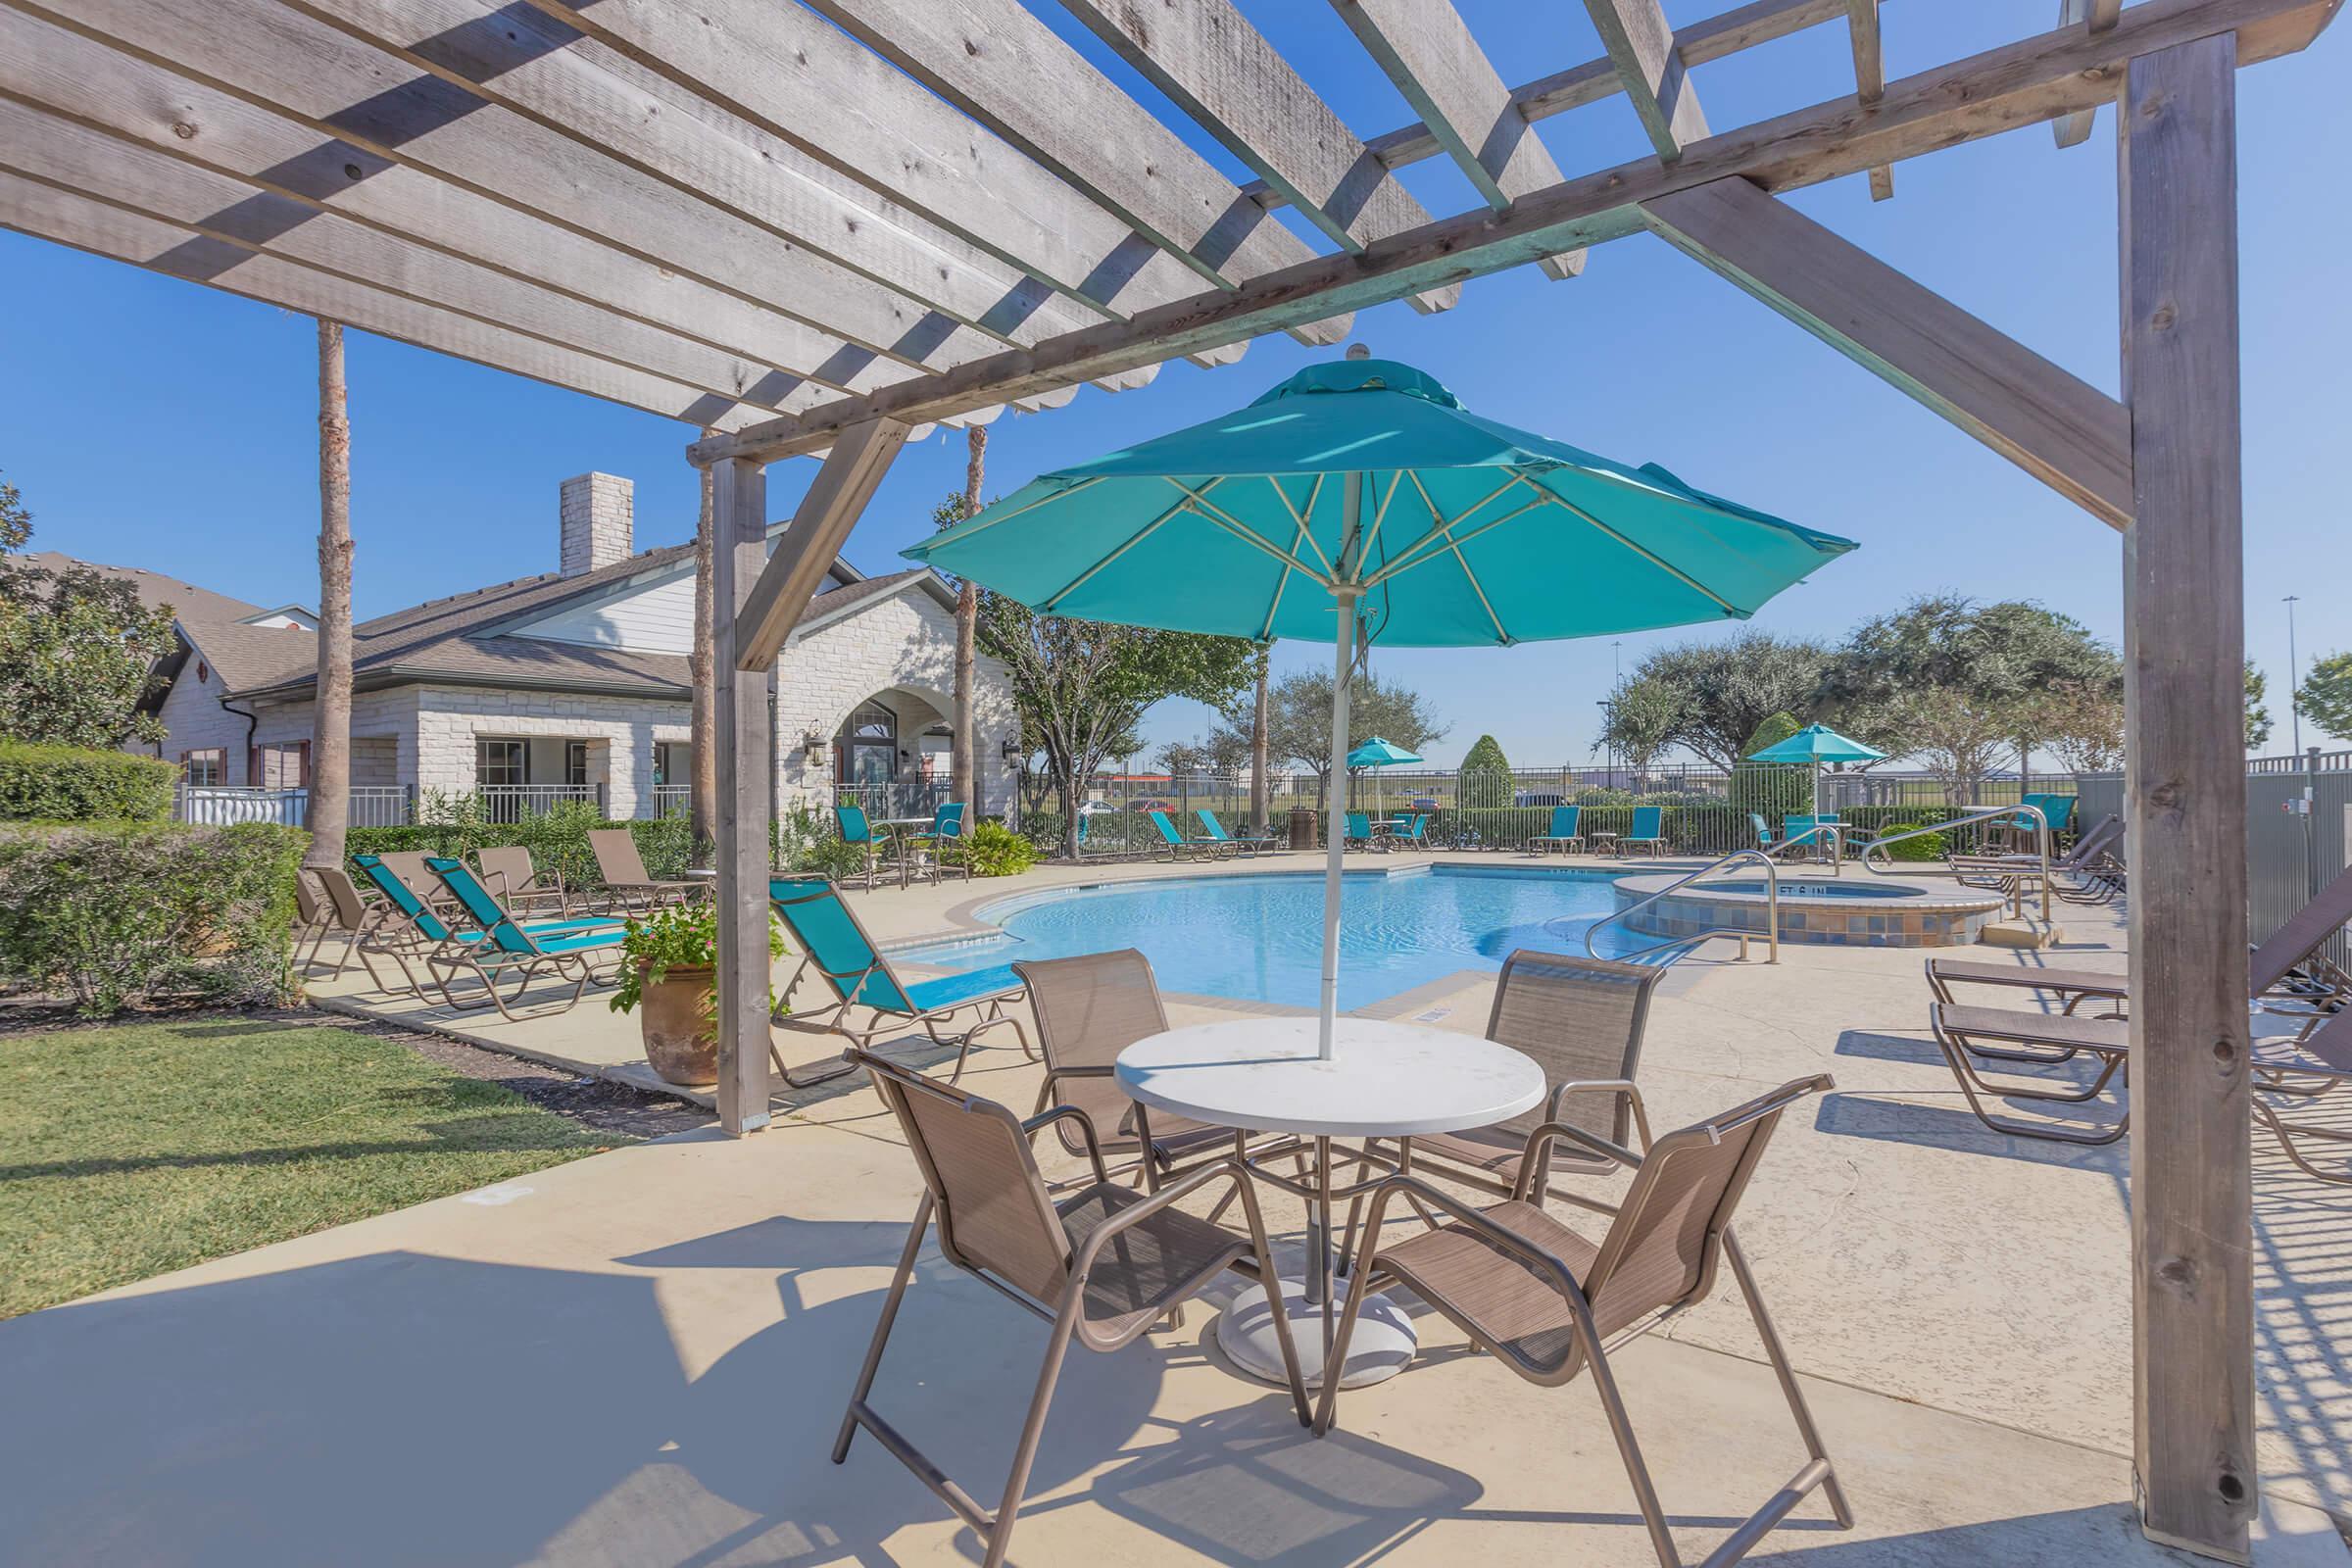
(1102,1265)
(314,917)
(1809,836)
(1356,829)
(628,885)
(1249,844)
(835,949)
(1174,846)
(856,830)
(945,838)
(1562,834)
(409,927)
(2003,871)
(504,948)
(1648,828)
(508,872)
(1549,1303)
(1581,1019)
(1410,830)
(349,911)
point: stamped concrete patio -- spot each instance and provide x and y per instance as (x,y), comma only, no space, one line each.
(640,1358)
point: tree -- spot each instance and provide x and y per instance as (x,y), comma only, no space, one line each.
(1298,722)
(2326,695)
(1712,696)
(2084,729)
(1260,805)
(962,751)
(76,648)
(1485,778)
(1957,683)
(1082,686)
(2258,709)
(1646,717)
(330,714)
(702,738)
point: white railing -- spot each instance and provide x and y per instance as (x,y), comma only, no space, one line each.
(667,799)
(219,805)
(511,803)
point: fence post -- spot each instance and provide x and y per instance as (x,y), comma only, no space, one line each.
(2311,827)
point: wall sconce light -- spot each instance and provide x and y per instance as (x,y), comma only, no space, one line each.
(1012,752)
(813,745)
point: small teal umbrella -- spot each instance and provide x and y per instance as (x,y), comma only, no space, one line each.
(1359,501)
(1817,744)
(1378,752)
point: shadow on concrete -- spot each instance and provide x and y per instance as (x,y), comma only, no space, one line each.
(1907,1121)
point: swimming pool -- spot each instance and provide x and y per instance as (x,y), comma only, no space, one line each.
(1259,938)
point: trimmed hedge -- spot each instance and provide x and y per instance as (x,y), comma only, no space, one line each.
(76,784)
(558,840)
(131,912)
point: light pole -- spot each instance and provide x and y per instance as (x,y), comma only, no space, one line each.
(2294,671)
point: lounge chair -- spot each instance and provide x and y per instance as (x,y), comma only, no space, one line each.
(626,880)
(1549,1304)
(346,911)
(1102,1265)
(505,947)
(2080,864)
(1088,1010)
(1581,1019)
(519,885)
(1174,846)
(407,928)
(1647,829)
(314,917)
(1249,844)
(834,948)
(946,839)
(1562,834)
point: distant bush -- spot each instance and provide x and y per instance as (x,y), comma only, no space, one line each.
(558,838)
(1926,847)
(74,784)
(130,911)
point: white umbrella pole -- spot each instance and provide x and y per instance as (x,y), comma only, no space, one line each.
(1338,831)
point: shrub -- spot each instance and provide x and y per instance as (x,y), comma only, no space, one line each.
(834,858)
(74,784)
(682,937)
(1927,847)
(998,851)
(119,912)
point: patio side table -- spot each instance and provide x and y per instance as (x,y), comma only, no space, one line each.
(1384,1080)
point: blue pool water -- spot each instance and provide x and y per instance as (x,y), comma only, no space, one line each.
(1260,938)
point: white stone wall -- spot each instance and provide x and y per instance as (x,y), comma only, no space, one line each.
(598,513)
(450,719)
(383,733)
(193,719)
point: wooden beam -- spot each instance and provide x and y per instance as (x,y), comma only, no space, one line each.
(163,112)
(2096,16)
(1221,71)
(2060,429)
(1005,69)
(1428,51)
(2017,85)
(835,501)
(342,87)
(72,156)
(798,76)
(2192,1189)
(743,735)
(1640,48)
(49,213)
(1870,77)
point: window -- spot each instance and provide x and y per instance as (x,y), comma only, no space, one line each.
(498,763)
(576,763)
(206,768)
(285,766)
(869,747)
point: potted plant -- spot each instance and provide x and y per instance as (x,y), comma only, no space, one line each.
(669,964)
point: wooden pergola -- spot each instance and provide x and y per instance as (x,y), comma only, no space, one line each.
(812,229)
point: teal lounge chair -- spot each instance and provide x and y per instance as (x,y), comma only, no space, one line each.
(1565,820)
(504,948)
(945,843)
(1243,845)
(1175,846)
(854,975)
(404,927)
(1647,829)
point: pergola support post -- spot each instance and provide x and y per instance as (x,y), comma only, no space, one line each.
(2185,804)
(741,728)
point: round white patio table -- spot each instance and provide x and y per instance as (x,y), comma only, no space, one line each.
(1384,1080)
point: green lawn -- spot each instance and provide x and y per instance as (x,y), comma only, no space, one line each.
(133,1148)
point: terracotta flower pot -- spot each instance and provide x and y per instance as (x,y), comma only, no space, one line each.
(680,1042)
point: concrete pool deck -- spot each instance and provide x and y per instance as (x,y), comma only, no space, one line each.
(1958,1302)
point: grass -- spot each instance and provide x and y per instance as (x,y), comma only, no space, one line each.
(133,1148)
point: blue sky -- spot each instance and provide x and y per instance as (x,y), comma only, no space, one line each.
(156,424)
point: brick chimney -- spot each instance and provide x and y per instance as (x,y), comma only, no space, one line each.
(600,512)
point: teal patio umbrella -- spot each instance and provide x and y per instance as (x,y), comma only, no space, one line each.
(1379,752)
(1359,502)
(1817,744)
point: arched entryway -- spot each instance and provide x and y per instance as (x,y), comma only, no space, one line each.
(890,754)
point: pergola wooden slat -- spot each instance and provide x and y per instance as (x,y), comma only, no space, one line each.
(816,235)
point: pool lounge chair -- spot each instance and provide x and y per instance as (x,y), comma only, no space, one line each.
(1647,829)
(346,910)
(626,880)
(407,928)
(1564,833)
(1102,1265)
(1242,844)
(2076,877)
(519,885)
(1549,1305)
(855,977)
(504,948)
(1174,846)
(314,917)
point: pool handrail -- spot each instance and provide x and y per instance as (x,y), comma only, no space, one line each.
(1771,911)
(1978,813)
(1835,832)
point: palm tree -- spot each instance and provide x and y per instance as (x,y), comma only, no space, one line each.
(330,723)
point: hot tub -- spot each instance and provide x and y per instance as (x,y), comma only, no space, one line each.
(1861,910)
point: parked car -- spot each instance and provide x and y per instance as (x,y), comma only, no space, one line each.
(1539,798)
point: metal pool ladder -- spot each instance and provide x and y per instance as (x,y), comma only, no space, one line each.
(1772,903)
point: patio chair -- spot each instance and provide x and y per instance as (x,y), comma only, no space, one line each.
(1648,828)
(1248,844)
(1101,1266)
(519,885)
(1765,841)
(349,911)
(1549,1303)
(1088,1009)
(409,927)
(946,836)
(314,917)
(627,883)
(834,948)
(1174,846)
(1356,829)
(1563,832)
(505,947)
(1413,831)
(1807,836)
(856,829)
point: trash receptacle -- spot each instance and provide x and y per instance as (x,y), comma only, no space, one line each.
(1302,828)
